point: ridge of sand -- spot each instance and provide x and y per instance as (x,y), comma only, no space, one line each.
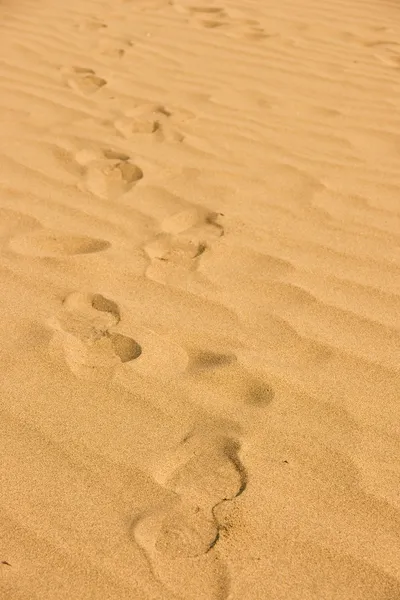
(200,299)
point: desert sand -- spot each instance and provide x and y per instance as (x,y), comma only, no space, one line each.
(200,300)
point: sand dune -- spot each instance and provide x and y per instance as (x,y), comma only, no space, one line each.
(200,269)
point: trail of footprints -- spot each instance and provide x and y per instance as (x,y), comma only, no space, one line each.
(203,473)
(201,477)
(53,243)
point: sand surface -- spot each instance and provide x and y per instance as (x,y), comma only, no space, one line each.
(200,300)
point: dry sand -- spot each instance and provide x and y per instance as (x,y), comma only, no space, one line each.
(200,299)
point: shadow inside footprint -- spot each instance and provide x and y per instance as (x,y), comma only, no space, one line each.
(211,360)
(103,304)
(259,393)
(125,347)
(47,243)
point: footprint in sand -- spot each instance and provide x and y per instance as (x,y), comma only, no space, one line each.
(181,538)
(84,331)
(387,52)
(15,223)
(151,119)
(82,80)
(200,11)
(53,243)
(114,47)
(91,25)
(214,372)
(107,173)
(215,17)
(249,29)
(176,252)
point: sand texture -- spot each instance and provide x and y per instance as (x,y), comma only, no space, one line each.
(200,300)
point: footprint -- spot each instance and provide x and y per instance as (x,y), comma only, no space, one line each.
(213,17)
(173,261)
(213,10)
(91,25)
(107,311)
(204,469)
(47,243)
(15,223)
(179,550)
(181,538)
(210,24)
(83,332)
(193,10)
(145,118)
(175,254)
(177,531)
(194,223)
(173,250)
(214,372)
(149,119)
(107,173)
(83,80)
(124,347)
(387,52)
(114,47)
(245,28)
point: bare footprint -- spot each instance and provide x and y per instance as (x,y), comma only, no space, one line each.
(173,260)
(195,224)
(89,25)
(215,17)
(175,255)
(188,8)
(83,80)
(246,28)
(209,10)
(173,250)
(44,242)
(177,530)
(179,547)
(181,538)
(83,331)
(16,223)
(386,51)
(210,24)
(114,47)
(149,119)
(107,173)
(216,372)
(205,470)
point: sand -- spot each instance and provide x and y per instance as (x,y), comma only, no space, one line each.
(200,300)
